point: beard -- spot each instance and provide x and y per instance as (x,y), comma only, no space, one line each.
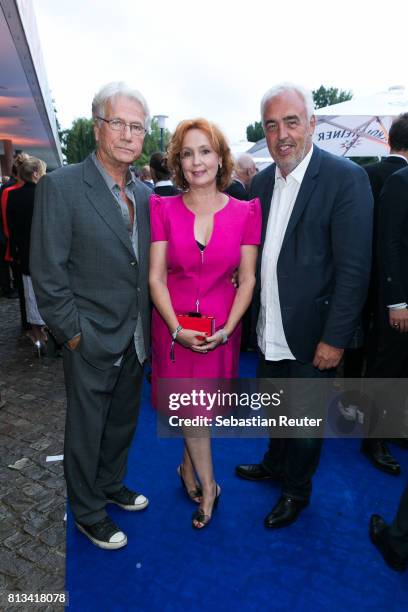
(286,166)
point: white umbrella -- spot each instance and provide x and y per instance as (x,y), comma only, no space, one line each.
(360,127)
(248,147)
(239,147)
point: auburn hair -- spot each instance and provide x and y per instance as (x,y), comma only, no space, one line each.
(217,141)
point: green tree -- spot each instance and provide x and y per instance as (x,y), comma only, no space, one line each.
(152,143)
(78,141)
(254,132)
(326,96)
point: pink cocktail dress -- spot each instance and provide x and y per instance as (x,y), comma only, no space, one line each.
(200,281)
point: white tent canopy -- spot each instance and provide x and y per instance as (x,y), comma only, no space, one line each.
(357,128)
(243,146)
(360,127)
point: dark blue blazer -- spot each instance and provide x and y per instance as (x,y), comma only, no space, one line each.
(393,239)
(324,264)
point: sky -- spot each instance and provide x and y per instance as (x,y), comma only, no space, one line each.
(216,58)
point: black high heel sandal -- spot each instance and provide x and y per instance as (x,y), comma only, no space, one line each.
(200,517)
(195,494)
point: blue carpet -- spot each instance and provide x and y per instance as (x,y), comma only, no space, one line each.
(325,560)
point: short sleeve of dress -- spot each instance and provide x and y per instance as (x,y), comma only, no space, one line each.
(157,220)
(252,230)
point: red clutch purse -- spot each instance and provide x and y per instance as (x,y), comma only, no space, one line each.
(197,322)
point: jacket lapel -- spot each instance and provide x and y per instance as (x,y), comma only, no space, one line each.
(142,227)
(264,191)
(104,203)
(266,198)
(306,189)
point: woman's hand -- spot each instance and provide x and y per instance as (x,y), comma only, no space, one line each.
(211,342)
(190,339)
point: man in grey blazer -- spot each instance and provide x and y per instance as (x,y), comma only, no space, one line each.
(89,266)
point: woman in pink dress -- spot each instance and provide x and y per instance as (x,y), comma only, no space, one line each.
(199,238)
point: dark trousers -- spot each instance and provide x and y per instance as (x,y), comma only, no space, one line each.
(388,358)
(398,530)
(102,412)
(5,280)
(294,459)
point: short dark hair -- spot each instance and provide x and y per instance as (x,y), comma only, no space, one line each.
(398,134)
(158,163)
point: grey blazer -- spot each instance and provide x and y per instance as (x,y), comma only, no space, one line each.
(83,268)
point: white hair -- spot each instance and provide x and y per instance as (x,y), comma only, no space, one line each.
(244,161)
(277,90)
(114,90)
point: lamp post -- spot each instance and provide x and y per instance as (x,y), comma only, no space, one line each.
(161,122)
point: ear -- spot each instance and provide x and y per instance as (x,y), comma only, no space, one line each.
(96,129)
(312,124)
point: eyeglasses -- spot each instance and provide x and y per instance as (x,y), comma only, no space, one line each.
(136,129)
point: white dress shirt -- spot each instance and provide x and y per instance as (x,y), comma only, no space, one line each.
(270,333)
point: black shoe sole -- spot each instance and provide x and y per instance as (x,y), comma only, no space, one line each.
(286,523)
(394,565)
(282,524)
(100,543)
(130,507)
(379,466)
(257,478)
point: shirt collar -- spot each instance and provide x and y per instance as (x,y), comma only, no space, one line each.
(107,177)
(297,173)
(239,181)
(398,155)
(164,184)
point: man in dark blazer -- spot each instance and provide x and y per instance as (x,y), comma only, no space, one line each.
(390,359)
(244,171)
(89,266)
(376,449)
(313,275)
(397,159)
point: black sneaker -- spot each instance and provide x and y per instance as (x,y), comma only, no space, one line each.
(104,534)
(128,500)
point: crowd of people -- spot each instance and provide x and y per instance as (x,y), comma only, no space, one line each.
(299,245)
(17,206)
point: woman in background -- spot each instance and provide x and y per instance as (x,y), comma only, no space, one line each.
(14,183)
(199,238)
(19,217)
(161,176)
